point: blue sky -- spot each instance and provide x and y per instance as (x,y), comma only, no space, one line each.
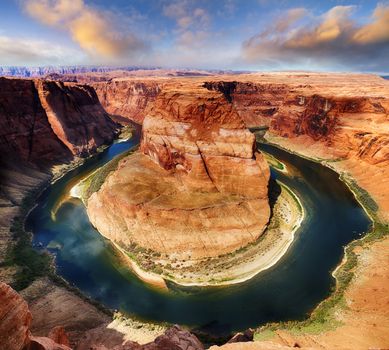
(215,34)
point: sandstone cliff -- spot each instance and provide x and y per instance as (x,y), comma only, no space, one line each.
(127,100)
(196,190)
(43,124)
(15,319)
(336,117)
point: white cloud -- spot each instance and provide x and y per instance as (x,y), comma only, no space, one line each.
(95,31)
(27,51)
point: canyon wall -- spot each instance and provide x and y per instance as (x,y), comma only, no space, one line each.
(16,332)
(211,194)
(42,124)
(342,119)
(128,100)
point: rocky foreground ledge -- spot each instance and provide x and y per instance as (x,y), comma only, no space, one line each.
(15,332)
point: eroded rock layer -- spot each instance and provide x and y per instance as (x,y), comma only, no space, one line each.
(128,100)
(197,189)
(43,123)
(341,118)
(15,319)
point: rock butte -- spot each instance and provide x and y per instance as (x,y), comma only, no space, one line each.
(331,116)
(196,189)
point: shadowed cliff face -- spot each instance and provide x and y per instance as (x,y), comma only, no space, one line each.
(44,123)
(25,131)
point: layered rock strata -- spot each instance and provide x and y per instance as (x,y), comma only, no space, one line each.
(15,322)
(339,118)
(15,332)
(196,189)
(42,124)
(128,100)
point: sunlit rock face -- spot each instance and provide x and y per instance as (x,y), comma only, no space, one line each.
(128,100)
(196,189)
(15,319)
(338,117)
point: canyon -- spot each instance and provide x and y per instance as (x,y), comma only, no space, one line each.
(44,125)
(339,120)
(211,196)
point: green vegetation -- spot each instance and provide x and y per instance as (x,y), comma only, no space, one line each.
(126,132)
(94,181)
(362,195)
(322,318)
(273,161)
(31,263)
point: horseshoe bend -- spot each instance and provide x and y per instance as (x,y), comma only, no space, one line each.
(196,189)
(177,209)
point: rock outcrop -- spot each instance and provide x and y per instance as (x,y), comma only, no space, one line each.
(15,322)
(15,334)
(175,338)
(15,319)
(128,100)
(337,117)
(211,194)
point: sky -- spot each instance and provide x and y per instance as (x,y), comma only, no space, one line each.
(203,34)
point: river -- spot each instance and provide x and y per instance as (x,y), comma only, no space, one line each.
(288,290)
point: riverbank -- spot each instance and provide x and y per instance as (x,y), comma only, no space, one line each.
(244,264)
(233,268)
(52,300)
(351,314)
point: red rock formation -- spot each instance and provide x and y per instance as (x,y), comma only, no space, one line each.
(44,123)
(76,116)
(25,131)
(342,117)
(211,193)
(44,343)
(127,100)
(58,335)
(15,319)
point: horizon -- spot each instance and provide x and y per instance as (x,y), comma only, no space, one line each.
(113,68)
(229,35)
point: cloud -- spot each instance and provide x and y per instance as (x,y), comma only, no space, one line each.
(26,51)
(332,40)
(191,23)
(93,30)
(378,30)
